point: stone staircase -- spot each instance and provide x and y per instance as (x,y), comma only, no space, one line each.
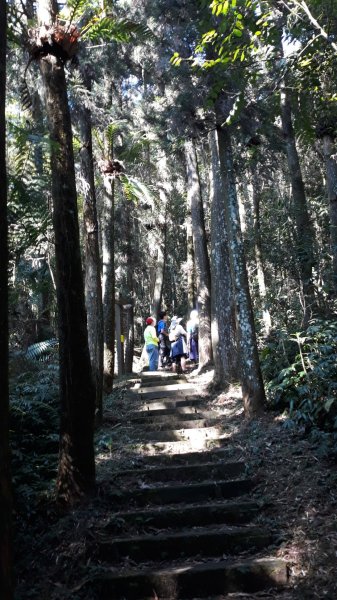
(182,523)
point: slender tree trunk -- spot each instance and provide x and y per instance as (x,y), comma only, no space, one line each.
(329,153)
(6,578)
(251,378)
(158,279)
(108,282)
(129,343)
(258,252)
(202,266)
(76,466)
(304,231)
(191,293)
(130,286)
(93,286)
(164,196)
(223,308)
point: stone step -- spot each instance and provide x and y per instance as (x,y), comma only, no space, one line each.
(150,383)
(191,580)
(162,415)
(185,473)
(208,542)
(190,515)
(176,424)
(171,403)
(175,494)
(193,435)
(213,455)
(178,447)
(147,376)
(165,391)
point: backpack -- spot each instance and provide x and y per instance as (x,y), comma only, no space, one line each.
(172,335)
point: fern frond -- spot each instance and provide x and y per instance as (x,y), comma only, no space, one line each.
(136,191)
(105,139)
(120,30)
(42,351)
(77,10)
(25,96)
(133,150)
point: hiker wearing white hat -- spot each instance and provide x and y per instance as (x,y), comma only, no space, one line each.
(178,337)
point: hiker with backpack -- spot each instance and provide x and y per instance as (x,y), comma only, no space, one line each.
(179,350)
(164,342)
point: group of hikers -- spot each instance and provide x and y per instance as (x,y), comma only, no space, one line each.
(169,345)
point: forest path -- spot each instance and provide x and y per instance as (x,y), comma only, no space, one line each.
(185,523)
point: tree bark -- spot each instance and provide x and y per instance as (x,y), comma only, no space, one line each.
(202,265)
(222,297)
(130,287)
(164,196)
(251,378)
(258,251)
(108,281)
(329,153)
(191,293)
(304,231)
(93,286)
(76,472)
(6,575)
(158,279)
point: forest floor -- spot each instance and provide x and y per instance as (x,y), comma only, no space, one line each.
(296,478)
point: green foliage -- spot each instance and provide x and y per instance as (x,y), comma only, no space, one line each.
(28,181)
(34,423)
(105,140)
(136,191)
(307,386)
(240,26)
(96,23)
(121,30)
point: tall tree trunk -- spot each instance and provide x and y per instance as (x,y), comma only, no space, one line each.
(258,251)
(329,153)
(222,297)
(202,266)
(164,195)
(251,378)
(93,286)
(6,579)
(76,472)
(129,342)
(304,231)
(130,286)
(191,293)
(108,282)
(158,279)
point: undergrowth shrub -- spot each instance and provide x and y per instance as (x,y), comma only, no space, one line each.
(306,384)
(34,427)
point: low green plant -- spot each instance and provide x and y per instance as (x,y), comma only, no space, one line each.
(307,386)
(34,424)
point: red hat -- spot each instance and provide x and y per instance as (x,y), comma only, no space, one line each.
(149,321)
